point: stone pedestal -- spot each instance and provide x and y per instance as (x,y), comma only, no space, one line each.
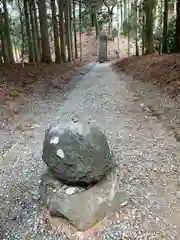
(103,49)
(82,207)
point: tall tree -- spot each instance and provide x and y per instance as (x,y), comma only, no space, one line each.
(110,7)
(74,29)
(80,28)
(36,20)
(55,32)
(67,28)
(62,29)
(148,8)
(3,40)
(28,31)
(7,33)
(46,53)
(33,30)
(177,34)
(165,27)
(71,28)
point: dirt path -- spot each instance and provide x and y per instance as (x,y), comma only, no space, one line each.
(146,150)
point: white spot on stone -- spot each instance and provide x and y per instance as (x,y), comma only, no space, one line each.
(124,204)
(54,140)
(60,153)
(70,190)
(100,200)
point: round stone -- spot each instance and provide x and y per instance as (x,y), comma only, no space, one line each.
(77,153)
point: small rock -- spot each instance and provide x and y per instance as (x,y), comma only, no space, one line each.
(70,190)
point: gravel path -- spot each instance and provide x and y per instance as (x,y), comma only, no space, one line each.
(140,137)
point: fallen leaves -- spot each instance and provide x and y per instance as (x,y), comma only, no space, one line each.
(161,70)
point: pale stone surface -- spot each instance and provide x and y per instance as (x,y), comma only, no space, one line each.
(85,208)
(77,152)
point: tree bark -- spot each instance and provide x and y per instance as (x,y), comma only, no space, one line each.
(46,53)
(74,29)
(177,34)
(149,5)
(28,32)
(3,40)
(7,33)
(55,32)
(80,28)
(61,29)
(37,28)
(165,26)
(22,29)
(33,30)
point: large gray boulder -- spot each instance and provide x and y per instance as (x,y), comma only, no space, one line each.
(77,153)
(82,207)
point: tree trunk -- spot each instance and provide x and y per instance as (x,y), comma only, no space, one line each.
(67,29)
(143,34)
(118,28)
(149,5)
(7,33)
(96,24)
(177,35)
(121,6)
(33,30)
(137,17)
(3,41)
(46,53)
(165,26)
(74,28)
(71,29)
(61,29)
(38,36)
(22,29)
(125,10)
(28,32)
(55,32)
(80,30)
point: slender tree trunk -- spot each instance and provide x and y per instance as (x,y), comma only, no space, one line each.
(33,30)
(128,30)
(149,5)
(61,29)
(74,28)
(46,53)
(22,30)
(7,33)
(67,28)
(3,40)
(125,9)
(137,17)
(56,33)
(121,6)
(37,28)
(118,27)
(96,24)
(80,30)
(165,26)
(71,29)
(177,35)
(143,34)
(28,32)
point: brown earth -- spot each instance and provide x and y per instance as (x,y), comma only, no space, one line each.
(161,70)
